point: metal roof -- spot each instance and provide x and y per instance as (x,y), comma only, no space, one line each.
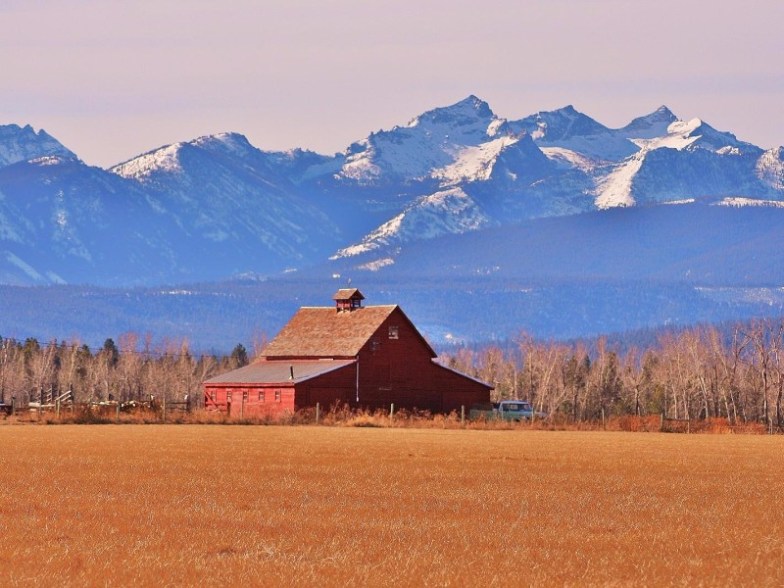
(279,371)
(459,373)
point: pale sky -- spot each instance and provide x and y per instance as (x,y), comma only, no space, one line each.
(114,78)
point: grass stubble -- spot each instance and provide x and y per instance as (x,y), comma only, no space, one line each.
(268,506)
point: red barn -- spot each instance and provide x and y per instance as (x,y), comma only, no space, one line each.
(361,356)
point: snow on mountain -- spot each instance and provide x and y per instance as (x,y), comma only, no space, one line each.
(696,133)
(550,163)
(23,143)
(651,125)
(473,163)
(445,212)
(770,169)
(301,165)
(573,130)
(727,241)
(617,187)
(233,197)
(559,125)
(556,218)
(76,223)
(568,159)
(431,141)
(683,159)
(229,208)
(513,158)
(739,202)
(142,167)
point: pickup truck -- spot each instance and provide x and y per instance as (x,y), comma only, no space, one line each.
(506,410)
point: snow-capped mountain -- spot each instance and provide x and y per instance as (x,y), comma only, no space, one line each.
(574,164)
(23,144)
(713,241)
(449,211)
(231,197)
(62,221)
(568,226)
(217,206)
(770,169)
(417,150)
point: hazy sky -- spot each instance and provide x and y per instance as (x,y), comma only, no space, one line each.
(113,78)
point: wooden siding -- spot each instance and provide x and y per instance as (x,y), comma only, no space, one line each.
(249,400)
(396,367)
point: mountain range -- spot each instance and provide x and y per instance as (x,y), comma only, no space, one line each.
(457,193)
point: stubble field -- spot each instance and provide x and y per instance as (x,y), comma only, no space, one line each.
(244,505)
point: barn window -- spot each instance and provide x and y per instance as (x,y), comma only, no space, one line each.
(393,332)
(261,395)
(277,395)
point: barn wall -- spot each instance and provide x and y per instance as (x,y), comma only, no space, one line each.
(249,399)
(328,390)
(396,366)
(457,390)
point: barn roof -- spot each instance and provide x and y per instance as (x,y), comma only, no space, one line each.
(463,374)
(348,294)
(325,332)
(279,372)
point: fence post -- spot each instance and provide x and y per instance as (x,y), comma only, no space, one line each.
(117,412)
(57,408)
(661,422)
(317,412)
(462,415)
(163,408)
(391,411)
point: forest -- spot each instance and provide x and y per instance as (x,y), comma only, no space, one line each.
(735,373)
(704,372)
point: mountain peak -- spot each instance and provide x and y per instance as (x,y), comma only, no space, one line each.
(23,143)
(663,112)
(468,111)
(705,136)
(650,125)
(226,143)
(559,125)
(427,142)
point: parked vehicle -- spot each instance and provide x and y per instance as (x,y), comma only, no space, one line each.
(506,410)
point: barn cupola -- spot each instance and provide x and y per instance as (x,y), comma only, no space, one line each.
(348,299)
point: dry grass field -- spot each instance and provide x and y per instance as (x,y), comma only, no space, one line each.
(170,505)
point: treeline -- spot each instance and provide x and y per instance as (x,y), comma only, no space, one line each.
(700,373)
(133,368)
(734,373)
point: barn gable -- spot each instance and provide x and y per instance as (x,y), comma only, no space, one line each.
(319,332)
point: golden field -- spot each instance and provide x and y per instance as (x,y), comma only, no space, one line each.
(169,505)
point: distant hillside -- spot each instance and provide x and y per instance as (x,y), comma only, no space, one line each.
(215,317)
